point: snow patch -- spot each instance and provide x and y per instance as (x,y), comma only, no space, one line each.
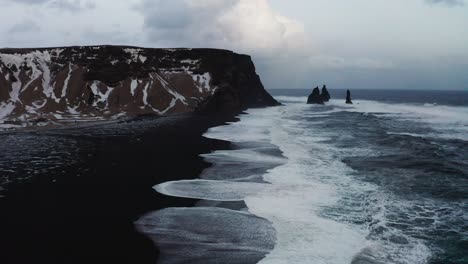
(188,61)
(133,86)
(65,84)
(134,53)
(57,52)
(102,97)
(15,89)
(145,93)
(9,126)
(201,81)
(73,110)
(119,115)
(38,104)
(6,109)
(38,62)
(171,105)
(165,84)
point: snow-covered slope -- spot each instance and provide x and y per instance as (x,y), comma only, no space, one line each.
(103,82)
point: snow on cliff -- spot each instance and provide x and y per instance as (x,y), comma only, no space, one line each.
(92,82)
(60,85)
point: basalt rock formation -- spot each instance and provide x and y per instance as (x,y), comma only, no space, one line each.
(104,82)
(348,97)
(315,97)
(325,94)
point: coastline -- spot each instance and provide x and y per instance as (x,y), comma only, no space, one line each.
(84,212)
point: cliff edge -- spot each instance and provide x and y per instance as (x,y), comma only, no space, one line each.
(110,82)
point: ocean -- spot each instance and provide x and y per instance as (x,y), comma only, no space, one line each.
(384,180)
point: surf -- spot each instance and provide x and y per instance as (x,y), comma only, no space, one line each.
(290,165)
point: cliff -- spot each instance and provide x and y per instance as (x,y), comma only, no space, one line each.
(110,82)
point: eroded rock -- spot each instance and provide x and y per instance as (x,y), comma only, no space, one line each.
(348,97)
(315,97)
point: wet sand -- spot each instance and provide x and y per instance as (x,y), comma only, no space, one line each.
(83,210)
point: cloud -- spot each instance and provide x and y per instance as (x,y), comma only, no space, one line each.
(361,63)
(25,26)
(30,1)
(447,2)
(344,44)
(73,5)
(69,5)
(249,26)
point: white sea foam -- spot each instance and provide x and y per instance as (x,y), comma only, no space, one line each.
(207,235)
(296,99)
(244,155)
(320,211)
(406,134)
(211,190)
(295,197)
(449,121)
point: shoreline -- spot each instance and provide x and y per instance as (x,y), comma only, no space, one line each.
(84,212)
(72,124)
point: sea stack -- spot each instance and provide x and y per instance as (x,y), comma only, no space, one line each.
(325,95)
(348,97)
(315,97)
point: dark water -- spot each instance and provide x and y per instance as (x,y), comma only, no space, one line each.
(454,98)
(382,181)
(411,146)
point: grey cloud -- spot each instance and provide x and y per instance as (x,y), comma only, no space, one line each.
(166,14)
(247,26)
(73,5)
(70,5)
(31,1)
(94,37)
(24,27)
(183,22)
(447,2)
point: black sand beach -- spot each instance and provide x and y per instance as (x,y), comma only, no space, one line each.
(81,207)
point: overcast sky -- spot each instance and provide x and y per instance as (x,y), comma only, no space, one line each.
(404,44)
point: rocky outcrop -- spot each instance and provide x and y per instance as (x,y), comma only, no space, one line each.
(348,97)
(101,82)
(315,97)
(325,94)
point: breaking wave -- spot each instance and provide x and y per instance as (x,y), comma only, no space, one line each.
(344,184)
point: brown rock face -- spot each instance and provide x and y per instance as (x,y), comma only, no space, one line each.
(111,81)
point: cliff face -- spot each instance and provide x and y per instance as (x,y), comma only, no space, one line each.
(102,82)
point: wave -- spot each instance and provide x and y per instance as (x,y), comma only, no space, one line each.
(297,99)
(322,210)
(448,122)
(211,190)
(207,235)
(320,213)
